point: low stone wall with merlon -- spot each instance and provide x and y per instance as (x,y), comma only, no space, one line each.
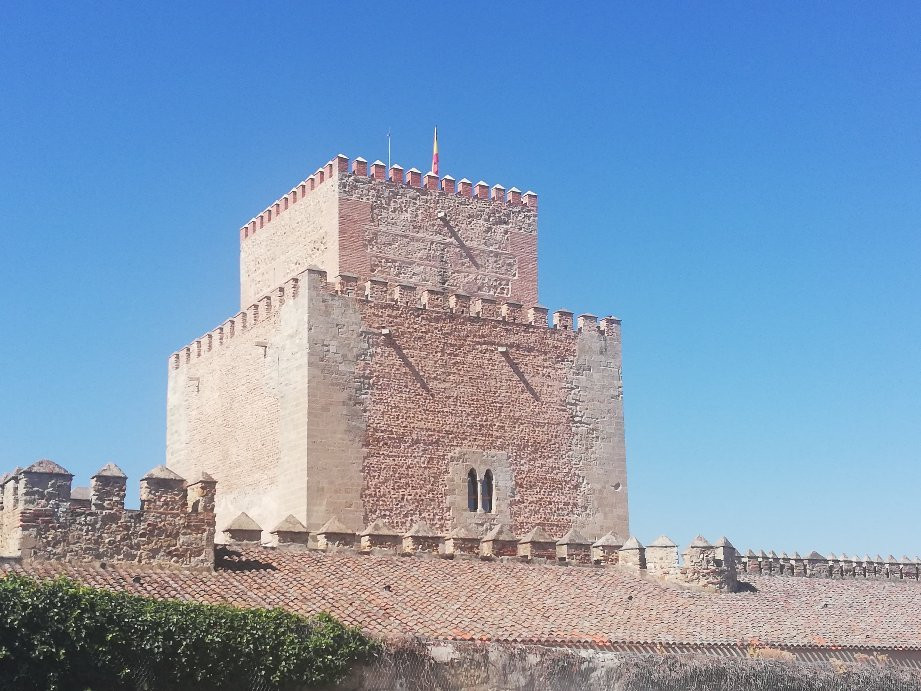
(42,521)
(815,565)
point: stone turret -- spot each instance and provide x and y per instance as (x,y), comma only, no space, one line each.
(379,535)
(243,529)
(604,549)
(702,569)
(290,532)
(499,542)
(632,554)
(536,544)
(421,538)
(333,534)
(574,548)
(661,556)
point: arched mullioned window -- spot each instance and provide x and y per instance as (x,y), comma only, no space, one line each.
(472,491)
(486,490)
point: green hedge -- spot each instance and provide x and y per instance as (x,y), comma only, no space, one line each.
(61,635)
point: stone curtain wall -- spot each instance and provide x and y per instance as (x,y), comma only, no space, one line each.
(175,524)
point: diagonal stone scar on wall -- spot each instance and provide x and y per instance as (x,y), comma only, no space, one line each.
(503,351)
(404,358)
(443,217)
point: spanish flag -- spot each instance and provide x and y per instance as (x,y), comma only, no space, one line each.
(435,154)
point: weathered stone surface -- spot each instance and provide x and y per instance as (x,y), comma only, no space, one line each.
(110,470)
(372,396)
(537,544)
(45,521)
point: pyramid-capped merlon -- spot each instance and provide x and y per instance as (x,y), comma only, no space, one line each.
(662,541)
(573,537)
(203,477)
(378,527)
(762,554)
(700,541)
(610,539)
(110,470)
(334,526)
(536,534)
(500,532)
(751,555)
(815,556)
(243,522)
(724,543)
(632,543)
(161,472)
(80,493)
(289,524)
(47,467)
(421,529)
(463,533)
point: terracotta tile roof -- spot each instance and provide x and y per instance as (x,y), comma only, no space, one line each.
(536,603)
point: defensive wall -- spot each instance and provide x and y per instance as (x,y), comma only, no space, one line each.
(404,227)
(368,399)
(706,566)
(42,519)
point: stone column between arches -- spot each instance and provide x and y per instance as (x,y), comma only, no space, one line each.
(460,462)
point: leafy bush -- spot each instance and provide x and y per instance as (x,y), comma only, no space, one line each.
(61,635)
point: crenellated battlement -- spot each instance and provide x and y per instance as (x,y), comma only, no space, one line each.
(701,566)
(242,322)
(42,519)
(815,565)
(704,566)
(432,299)
(378,172)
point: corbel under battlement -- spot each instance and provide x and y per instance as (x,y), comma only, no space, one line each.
(377,171)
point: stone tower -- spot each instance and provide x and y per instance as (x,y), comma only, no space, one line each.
(390,363)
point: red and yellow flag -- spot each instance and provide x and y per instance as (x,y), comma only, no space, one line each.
(435,153)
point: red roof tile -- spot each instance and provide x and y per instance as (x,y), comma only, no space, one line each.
(542,603)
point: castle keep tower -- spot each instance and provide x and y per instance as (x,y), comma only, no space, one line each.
(390,363)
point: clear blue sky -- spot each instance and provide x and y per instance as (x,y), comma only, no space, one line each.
(741,184)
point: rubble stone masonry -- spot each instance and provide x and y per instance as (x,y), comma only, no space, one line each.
(174,526)
(366,409)
(348,223)
(371,395)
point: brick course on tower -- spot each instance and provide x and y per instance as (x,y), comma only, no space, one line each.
(390,363)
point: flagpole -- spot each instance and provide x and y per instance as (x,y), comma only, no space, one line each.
(388,148)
